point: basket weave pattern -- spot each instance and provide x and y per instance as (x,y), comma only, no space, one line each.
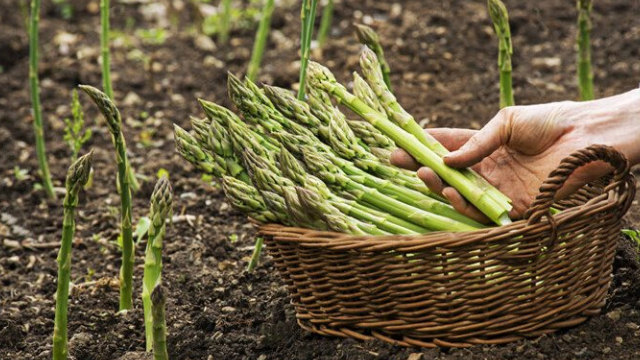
(488,286)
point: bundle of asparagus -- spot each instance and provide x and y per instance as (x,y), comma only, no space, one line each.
(305,164)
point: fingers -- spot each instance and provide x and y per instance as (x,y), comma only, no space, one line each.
(461,205)
(401,158)
(452,139)
(483,143)
(431,179)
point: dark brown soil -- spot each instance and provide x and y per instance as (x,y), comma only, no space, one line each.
(442,55)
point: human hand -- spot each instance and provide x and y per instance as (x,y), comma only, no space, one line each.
(521,145)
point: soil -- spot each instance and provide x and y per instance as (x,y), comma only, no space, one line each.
(442,55)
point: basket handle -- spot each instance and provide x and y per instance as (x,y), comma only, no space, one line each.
(557,178)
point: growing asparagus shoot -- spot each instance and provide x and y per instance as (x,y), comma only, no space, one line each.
(158,303)
(260,40)
(368,37)
(77,177)
(325,22)
(500,19)
(75,135)
(255,257)
(114,123)
(225,21)
(159,212)
(38,126)
(307,19)
(585,74)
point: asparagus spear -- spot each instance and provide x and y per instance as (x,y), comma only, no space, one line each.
(369,38)
(255,257)
(158,302)
(500,19)
(161,209)
(225,21)
(370,135)
(585,74)
(189,148)
(497,212)
(77,177)
(364,92)
(261,39)
(246,198)
(402,118)
(114,122)
(325,23)
(38,127)
(307,19)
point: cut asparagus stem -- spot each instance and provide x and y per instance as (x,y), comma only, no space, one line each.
(423,154)
(77,177)
(585,74)
(114,123)
(369,38)
(500,19)
(161,209)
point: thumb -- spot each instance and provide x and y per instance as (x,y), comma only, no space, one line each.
(483,143)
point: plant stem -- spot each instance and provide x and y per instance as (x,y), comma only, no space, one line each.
(325,23)
(38,127)
(77,177)
(225,21)
(260,40)
(161,209)
(585,74)
(114,122)
(158,302)
(255,257)
(307,19)
(500,18)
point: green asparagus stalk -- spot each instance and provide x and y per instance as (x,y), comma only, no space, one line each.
(246,198)
(114,122)
(497,212)
(383,154)
(585,74)
(214,137)
(370,135)
(500,19)
(260,40)
(160,211)
(38,127)
(402,118)
(255,257)
(329,173)
(158,302)
(292,108)
(225,21)
(77,177)
(364,92)
(307,19)
(368,37)
(189,148)
(325,23)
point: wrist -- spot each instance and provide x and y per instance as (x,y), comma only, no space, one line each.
(613,121)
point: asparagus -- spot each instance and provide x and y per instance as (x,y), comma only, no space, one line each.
(38,127)
(307,18)
(370,135)
(214,137)
(189,148)
(261,39)
(369,38)
(383,154)
(77,177)
(402,118)
(325,170)
(292,169)
(159,323)
(500,19)
(225,21)
(364,92)
(585,74)
(161,209)
(114,123)
(497,212)
(292,108)
(255,257)
(325,23)
(246,198)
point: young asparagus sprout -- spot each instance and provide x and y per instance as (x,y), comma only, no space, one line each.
(368,37)
(500,19)
(34,87)
(114,123)
(159,212)
(261,39)
(255,257)
(325,22)
(585,74)
(74,133)
(77,177)
(307,19)
(225,21)
(159,323)
(495,210)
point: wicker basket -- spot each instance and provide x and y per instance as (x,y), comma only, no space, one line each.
(488,286)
